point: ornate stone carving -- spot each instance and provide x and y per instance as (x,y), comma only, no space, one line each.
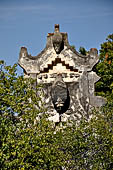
(66,75)
(57,40)
(60,95)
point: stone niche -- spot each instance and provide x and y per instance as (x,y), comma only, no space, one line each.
(66,75)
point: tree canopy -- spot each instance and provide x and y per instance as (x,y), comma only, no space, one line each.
(105,69)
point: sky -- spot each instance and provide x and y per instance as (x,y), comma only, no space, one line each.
(27,23)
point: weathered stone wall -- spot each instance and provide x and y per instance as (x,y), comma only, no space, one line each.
(67,77)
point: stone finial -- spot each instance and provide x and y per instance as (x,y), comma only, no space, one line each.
(57,28)
(23,52)
(93,51)
(57,39)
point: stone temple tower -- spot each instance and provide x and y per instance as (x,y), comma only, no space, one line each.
(66,75)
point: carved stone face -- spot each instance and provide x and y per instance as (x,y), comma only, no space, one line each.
(57,42)
(60,96)
(57,47)
(59,104)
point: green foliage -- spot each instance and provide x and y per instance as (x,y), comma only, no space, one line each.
(82,51)
(27,143)
(73,47)
(91,143)
(105,69)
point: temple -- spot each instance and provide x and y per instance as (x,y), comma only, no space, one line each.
(66,75)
